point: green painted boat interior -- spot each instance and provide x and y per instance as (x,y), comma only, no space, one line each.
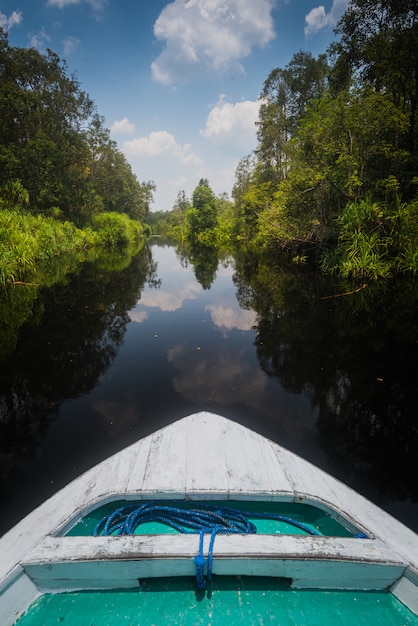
(307,514)
(226,600)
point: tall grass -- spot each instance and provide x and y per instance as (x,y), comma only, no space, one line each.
(375,241)
(26,240)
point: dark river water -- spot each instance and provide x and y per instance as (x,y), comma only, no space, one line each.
(105,357)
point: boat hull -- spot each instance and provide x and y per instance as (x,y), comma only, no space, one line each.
(204,457)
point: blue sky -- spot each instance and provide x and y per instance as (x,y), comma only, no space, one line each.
(177,82)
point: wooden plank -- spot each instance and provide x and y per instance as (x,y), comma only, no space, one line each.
(406,590)
(135,480)
(206,442)
(225,458)
(16,597)
(43,520)
(102,482)
(165,471)
(306,480)
(111,477)
(313,484)
(253,468)
(314,574)
(55,549)
(338,563)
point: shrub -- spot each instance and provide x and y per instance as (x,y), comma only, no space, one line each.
(116,229)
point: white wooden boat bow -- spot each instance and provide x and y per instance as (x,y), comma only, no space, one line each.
(204,457)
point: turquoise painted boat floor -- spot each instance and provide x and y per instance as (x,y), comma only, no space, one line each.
(226,600)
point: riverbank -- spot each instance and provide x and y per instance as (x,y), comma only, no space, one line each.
(30,243)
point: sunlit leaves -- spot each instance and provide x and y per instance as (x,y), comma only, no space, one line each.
(114,229)
(376,241)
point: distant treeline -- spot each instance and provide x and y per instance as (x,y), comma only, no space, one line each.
(335,172)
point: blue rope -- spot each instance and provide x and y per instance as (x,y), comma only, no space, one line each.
(204,519)
(199,560)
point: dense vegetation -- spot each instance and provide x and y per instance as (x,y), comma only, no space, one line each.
(64,185)
(335,172)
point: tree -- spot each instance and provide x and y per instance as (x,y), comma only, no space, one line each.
(177,216)
(202,217)
(111,176)
(53,141)
(343,151)
(42,113)
(243,177)
(182,202)
(287,93)
(379,41)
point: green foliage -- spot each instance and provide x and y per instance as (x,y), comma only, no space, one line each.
(55,144)
(13,195)
(376,240)
(286,96)
(225,236)
(201,218)
(336,159)
(116,229)
(41,250)
(59,169)
(212,224)
(111,177)
(348,139)
(379,41)
(26,241)
(171,224)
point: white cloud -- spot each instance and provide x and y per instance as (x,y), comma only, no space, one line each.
(39,40)
(14,19)
(159,143)
(138,316)
(62,3)
(70,45)
(209,34)
(318,18)
(230,317)
(166,300)
(226,118)
(230,127)
(123,126)
(96,5)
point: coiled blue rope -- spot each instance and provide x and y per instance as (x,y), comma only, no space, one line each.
(202,519)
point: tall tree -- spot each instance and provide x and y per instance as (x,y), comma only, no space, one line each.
(285,97)
(52,140)
(379,40)
(202,217)
(182,202)
(42,112)
(111,176)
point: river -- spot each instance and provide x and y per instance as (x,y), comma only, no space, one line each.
(105,357)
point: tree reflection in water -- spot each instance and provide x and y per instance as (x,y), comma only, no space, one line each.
(65,338)
(356,356)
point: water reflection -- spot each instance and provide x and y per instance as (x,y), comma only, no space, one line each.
(108,357)
(356,357)
(205,261)
(61,352)
(222,377)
